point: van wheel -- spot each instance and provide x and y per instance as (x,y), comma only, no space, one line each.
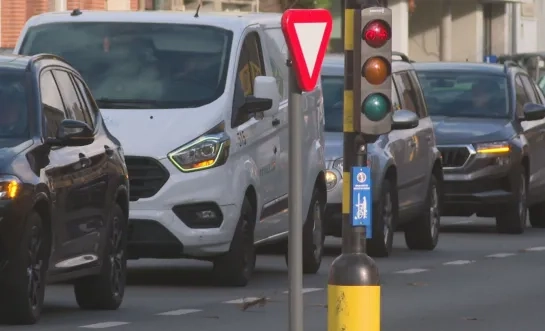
(23,289)
(237,266)
(384,221)
(423,232)
(512,220)
(313,236)
(537,215)
(105,291)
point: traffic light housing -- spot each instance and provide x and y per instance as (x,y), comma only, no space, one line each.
(373,107)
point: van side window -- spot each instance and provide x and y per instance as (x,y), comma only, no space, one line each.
(250,65)
(52,105)
(276,45)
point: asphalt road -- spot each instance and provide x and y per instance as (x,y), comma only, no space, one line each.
(474,280)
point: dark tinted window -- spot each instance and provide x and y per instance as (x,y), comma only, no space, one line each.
(52,105)
(529,89)
(69,95)
(140,65)
(465,94)
(333,91)
(13,104)
(86,104)
(522,97)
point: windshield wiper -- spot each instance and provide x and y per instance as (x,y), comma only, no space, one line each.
(129,103)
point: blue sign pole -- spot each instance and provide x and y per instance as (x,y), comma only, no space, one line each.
(361,212)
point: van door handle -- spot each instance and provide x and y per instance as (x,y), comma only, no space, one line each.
(84,160)
(275,122)
(109,151)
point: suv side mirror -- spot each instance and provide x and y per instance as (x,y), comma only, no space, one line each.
(72,133)
(533,111)
(404,119)
(265,88)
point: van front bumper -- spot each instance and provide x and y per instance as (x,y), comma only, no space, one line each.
(192,215)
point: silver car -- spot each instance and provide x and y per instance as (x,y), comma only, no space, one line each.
(405,163)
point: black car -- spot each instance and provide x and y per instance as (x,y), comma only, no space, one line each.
(489,122)
(64,191)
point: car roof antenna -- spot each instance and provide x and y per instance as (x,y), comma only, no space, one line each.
(198,8)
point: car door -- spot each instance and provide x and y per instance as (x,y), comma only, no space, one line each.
(411,170)
(64,175)
(257,137)
(536,132)
(275,49)
(86,202)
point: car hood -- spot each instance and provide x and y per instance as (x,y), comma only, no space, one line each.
(10,148)
(467,130)
(334,145)
(156,132)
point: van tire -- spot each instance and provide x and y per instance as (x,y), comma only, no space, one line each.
(235,268)
(105,291)
(313,248)
(15,301)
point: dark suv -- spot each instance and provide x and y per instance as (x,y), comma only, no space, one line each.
(489,121)
(64,191)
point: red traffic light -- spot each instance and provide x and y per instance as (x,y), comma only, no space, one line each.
(376,33)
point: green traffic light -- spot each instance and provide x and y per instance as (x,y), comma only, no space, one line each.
(375,107)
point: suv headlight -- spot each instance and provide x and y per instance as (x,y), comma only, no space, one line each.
(338,165)
(499,147)
(10,186)
(207,151)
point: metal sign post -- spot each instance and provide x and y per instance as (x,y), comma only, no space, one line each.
(295,204)
(307,33)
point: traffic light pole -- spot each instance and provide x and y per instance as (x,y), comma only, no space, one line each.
(353,284)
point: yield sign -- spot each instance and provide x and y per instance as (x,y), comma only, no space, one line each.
(307,33)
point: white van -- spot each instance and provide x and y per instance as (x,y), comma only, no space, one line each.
(200,107)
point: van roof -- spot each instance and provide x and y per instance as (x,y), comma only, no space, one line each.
(235,21)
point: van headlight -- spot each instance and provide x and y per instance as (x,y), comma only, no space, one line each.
(330,179)
(207,151)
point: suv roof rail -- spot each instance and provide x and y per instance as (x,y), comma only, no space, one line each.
(509,63)
(403,56)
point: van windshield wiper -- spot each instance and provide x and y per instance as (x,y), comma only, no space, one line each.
(131,103)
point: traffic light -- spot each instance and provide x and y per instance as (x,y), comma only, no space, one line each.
(375,40)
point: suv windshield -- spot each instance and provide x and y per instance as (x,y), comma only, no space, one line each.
(140,65)
(465,94)
(333,90)
(13,105)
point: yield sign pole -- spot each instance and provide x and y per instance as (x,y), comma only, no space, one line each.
(307,34)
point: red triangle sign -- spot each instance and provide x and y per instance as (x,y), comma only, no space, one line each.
(307,33)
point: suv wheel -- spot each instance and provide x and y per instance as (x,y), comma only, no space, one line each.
(384,221)
(237,266)
(23,289)
(423,232)
(313,236)
(512,220)
(105,291)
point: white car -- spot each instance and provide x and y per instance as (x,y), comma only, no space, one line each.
(200,107)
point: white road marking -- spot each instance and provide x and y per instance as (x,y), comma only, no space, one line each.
(458,262)
(179,312)
(242,300)
(104,325)
(501,255)
(411,271)
(535,249)
(307,290)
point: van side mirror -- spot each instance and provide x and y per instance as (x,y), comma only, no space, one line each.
(533,111)
(254,105)
(265,88)
(72,133)
(404,119)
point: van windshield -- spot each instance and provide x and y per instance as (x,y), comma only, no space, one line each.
(140,65)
